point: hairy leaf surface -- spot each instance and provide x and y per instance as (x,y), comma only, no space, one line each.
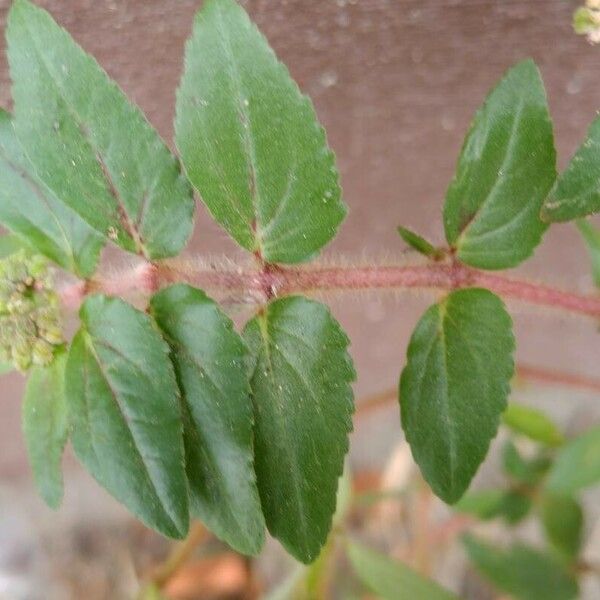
(46,427)
(124,410)
(454,387)
(89,145)
(209,359)
(505,170)
(303,406)
(251,143)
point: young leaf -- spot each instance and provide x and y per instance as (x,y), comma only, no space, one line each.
(532,423)
(591,236)
(577,465)
(454,387)
(209,362)
(124,410)
(523,572)
(393,580)
(505,170)
(489,504)
(46,427)
(420,244)
(30,209)
(250,141)
(576,192)
(516,507)
(528,471)
(563,522)
(89,145)
(483,504)
(303,406)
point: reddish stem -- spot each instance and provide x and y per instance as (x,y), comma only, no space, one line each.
(260,286)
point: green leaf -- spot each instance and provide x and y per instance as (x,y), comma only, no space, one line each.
(303,407)
(533,424)
(489,504)
(528,471)
(517,505)
(454,387)
(89,145)
(563,522)
(209,362)
(46,427)
(576,192)
(522,572)
(577,465)
(591,236)
(506,169)
(124,409)
(483,504)
(393,580)
(30,209)
(251,143)
(420,244)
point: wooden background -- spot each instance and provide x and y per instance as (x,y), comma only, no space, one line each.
(395,83)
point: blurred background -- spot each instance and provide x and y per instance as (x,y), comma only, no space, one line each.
(395,83)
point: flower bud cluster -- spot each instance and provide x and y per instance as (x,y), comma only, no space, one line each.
(30,324)
(586,21)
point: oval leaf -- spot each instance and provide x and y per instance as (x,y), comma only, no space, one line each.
(505,170)
(209,361)
(576,192)
(125,415)
(577,465)
(46,427)
(30,209)
(250,141)
(93,148)
(393,580)
(523,572)
(303,407)
(533,424)
(420,244)
(454,387)
(563,522)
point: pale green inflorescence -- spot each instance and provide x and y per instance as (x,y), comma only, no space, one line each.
(30,323)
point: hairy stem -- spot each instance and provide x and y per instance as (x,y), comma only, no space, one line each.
(248,284)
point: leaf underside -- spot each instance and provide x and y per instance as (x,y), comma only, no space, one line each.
(46,427)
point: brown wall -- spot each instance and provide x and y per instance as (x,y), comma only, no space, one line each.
(395,82)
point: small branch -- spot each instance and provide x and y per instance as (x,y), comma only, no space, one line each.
(181,553)
(258,286)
